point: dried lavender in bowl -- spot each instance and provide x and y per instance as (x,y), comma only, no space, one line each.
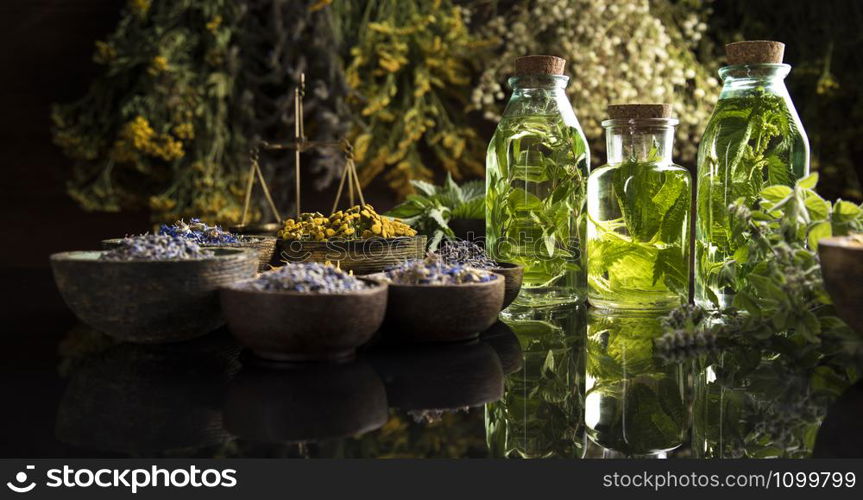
(308,277)
(433,270)
(465,253)
(155,247)
(200,233)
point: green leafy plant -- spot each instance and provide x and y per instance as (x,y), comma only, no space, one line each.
(431,211)
(781,328)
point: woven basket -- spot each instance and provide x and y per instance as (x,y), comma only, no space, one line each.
(360,256)
(265,246)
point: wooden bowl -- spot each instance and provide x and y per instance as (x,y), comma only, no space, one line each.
(842,269)
(442,313)
(440,376)
(265,246)
(360,256)
(309,403)
(296,326)
(149,301)
(513,275)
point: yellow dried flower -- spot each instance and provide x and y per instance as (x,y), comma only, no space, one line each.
(347,224)
(185,131)
(214,24)
(157,65)
(140,7)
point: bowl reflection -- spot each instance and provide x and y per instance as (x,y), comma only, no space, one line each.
(146,399)
(304,402)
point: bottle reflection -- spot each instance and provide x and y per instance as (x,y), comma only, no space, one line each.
(540,414)
(634,403)
(144,400)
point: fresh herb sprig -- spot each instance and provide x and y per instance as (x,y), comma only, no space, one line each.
(430,211)
(781,327)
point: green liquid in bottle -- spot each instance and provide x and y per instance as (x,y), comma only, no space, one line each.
(751,142)
(535,177)
(638,236)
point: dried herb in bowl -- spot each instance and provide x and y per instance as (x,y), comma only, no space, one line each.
(308,277)
(357,222)
(155,247)
(433,270)
(200,233)
(466,253)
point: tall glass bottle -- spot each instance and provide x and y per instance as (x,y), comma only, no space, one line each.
(753,139)
(638,208)
(536,168)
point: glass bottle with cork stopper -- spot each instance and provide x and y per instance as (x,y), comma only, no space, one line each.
(754,139)
(638,211)
(536,169)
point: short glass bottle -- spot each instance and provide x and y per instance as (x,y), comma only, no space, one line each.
(536,170)
(753,139)
(638,208)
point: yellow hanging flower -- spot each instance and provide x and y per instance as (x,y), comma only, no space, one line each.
(140,7)
(157,65)
(214,23)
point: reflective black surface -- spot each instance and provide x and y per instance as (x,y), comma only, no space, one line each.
(567,383)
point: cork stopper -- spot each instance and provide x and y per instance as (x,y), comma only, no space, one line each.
(542,65)
(755,52)
(637,111)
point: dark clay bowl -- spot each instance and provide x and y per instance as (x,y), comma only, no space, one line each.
(149,301)
(442,313)
(309,403)
(264,246)
(295,326)
(842,269)
(513,275)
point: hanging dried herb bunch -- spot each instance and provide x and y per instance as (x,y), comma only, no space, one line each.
(155,127)
(411,67)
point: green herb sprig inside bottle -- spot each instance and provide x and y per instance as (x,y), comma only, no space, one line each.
(536,168)
(638,208)
(753,139)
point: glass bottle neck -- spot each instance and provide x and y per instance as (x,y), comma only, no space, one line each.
(740,79)
(644,140)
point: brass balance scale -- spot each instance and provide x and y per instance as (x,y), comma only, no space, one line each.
(359,256)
